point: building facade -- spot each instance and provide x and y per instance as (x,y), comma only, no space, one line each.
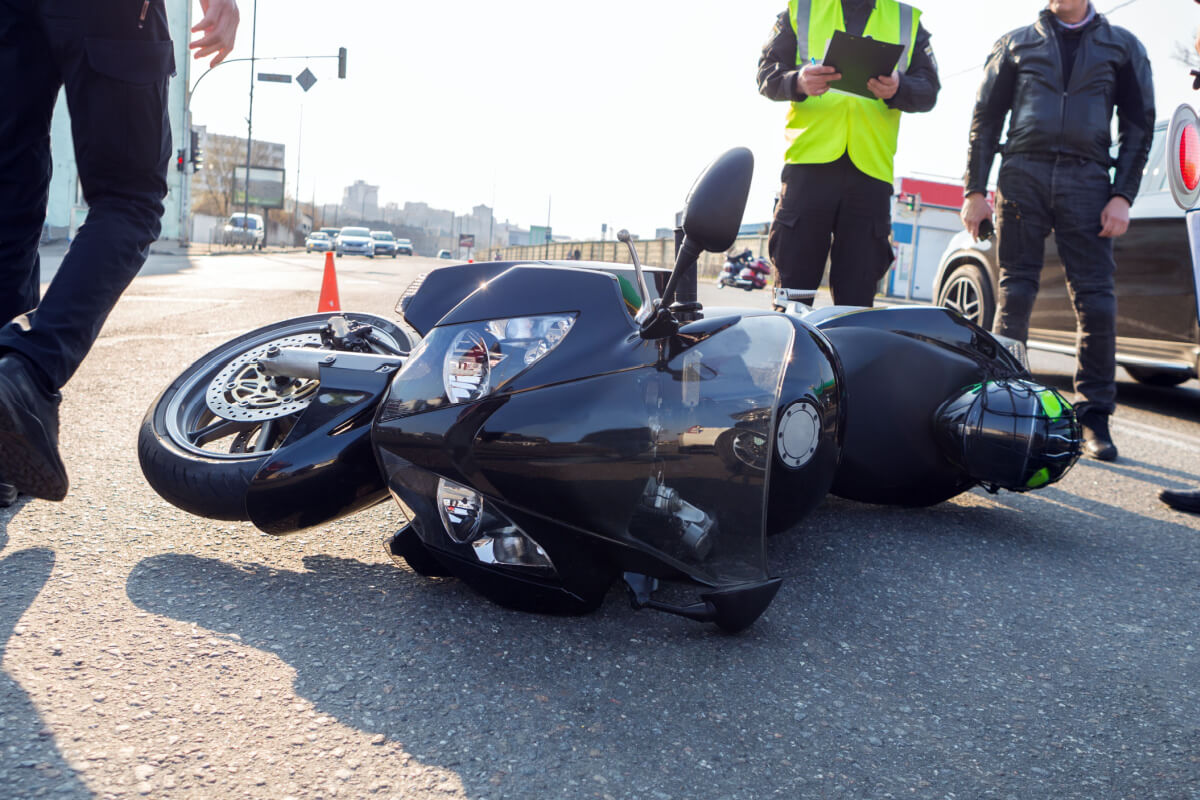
(66,209)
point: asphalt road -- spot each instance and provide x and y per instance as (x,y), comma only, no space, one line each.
(1007,646)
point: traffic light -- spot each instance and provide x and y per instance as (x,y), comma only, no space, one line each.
(179,160)
(197,153)
(341,62)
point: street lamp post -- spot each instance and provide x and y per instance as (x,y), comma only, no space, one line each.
(250,129)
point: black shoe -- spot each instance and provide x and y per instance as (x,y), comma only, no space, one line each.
(8,494)
(1181,501)
(1097,442)
(29,432)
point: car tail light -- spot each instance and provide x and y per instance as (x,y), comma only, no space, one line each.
(1183,162)
(1189,156)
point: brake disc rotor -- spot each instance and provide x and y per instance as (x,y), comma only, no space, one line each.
(242,392)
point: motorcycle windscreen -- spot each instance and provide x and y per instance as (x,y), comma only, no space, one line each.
(711,417)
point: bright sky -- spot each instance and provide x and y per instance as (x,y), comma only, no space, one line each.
(586,113)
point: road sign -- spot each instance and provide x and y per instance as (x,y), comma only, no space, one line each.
(274,77)
(466,240)
(306,79)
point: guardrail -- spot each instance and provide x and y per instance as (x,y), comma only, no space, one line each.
(652,252)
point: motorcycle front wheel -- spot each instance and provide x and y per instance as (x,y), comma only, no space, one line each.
(204,438)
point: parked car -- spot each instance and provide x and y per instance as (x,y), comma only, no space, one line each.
(385,243)
(318,240)
(444,254)
(404,247)
(1158,339)
(244,229)
(355,241)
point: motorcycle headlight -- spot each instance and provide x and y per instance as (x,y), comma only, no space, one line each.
(494,539)
(465,363)
(461,510)
(481,357)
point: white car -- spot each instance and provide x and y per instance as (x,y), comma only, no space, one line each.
(244,229)
(355,241)
(385,243)
(319,241)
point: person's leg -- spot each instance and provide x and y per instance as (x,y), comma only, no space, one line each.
(1023,220)
(28,104)
(115,74)
(24,153)
(798,242)
(862,249)
(114,59)
(1081,190)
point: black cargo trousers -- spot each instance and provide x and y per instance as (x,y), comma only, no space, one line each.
(838,205)
(1034,195)
(114,58)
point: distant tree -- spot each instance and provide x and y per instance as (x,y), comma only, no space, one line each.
(212,186)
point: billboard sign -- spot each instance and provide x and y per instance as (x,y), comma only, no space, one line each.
(266,187)
(466,240)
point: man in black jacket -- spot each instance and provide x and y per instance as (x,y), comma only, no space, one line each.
(837,179)
(1061,78)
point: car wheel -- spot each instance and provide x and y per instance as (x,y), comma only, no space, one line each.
(969,292)
(339,255)
(1158,377)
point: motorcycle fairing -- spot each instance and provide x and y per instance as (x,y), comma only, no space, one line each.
(640,457)
(890,455)
(325,468)
(432,296)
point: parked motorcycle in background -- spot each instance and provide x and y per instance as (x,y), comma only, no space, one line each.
(744,271)
(552,428)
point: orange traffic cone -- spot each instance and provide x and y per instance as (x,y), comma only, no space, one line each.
(329,292)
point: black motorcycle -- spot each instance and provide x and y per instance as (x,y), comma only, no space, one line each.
(553,427)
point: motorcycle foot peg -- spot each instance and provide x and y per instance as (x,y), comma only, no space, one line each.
(785,296)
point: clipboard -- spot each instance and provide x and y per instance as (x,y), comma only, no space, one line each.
(859,59)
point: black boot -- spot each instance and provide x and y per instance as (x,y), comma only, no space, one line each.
(29,431)
(8,494)
(1181,500)
(1097,442)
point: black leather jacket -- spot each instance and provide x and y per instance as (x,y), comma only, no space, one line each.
(1024,76)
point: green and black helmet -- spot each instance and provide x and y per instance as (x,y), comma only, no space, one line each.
(1009,434)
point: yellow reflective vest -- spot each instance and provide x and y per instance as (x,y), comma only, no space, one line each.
(820,129)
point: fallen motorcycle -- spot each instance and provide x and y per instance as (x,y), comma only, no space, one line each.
(556,427)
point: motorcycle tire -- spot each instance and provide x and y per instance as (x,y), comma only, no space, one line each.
(203,463)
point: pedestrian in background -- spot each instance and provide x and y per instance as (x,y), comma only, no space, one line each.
(1060,79)
(837,178)
(114,59)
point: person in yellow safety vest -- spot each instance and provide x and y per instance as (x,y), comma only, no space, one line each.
(837,177)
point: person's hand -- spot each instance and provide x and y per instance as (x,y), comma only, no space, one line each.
(814,79)
(884,87)
(1114,219)
(219,27)
(974,211)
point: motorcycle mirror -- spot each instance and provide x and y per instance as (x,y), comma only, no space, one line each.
(712,217)
(717,201)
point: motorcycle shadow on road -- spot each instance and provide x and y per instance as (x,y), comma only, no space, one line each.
(31,765)
(887,617)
